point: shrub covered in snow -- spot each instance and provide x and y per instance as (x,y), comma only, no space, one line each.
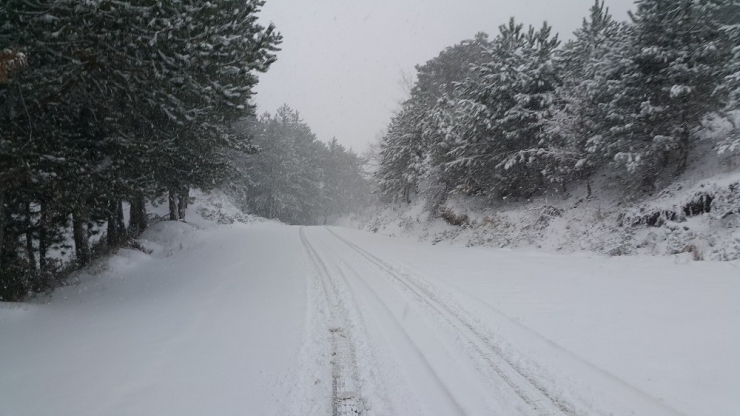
(218,207)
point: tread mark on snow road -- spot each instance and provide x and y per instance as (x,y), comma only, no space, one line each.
(527,389)
(345,394)
(418,352)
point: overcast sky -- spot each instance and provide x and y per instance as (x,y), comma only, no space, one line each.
(342,61)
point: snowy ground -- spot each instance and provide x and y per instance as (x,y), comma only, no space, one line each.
(608,223)
(263,319)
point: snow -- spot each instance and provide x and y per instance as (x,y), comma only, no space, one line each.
(226,314)
(662,327)
(182,331)
(605,223)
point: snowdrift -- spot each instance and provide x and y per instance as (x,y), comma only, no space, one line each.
(164,238)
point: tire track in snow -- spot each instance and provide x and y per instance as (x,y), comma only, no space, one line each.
(536,397)
(441,388)
(345,395)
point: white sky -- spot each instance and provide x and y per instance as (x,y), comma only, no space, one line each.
(342,61)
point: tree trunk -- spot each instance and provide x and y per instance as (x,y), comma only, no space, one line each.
(82,245)
(116,226)
(588,187)
(114,230)
(31,257)
(43,236)
(173,205)
(684,145)
(182,206)
(112,233)
(269,205)
(137,215)
(119,219)
(2,225)
(143,220)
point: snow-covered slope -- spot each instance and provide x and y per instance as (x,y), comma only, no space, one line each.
(259,318)
(696,218)
(198,326)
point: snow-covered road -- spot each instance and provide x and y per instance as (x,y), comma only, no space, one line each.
(268,319)
(449,366)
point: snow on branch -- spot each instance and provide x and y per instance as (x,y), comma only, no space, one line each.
(10,61)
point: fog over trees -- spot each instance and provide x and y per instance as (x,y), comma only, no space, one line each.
(294,177)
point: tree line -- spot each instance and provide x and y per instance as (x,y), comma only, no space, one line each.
(295,177)
(522,113)
(110,101)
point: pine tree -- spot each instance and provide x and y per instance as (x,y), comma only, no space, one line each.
(731,87)
(105,101)
(293,176)
(408,151)
(401,151)
(673,65)
(495,138)
(589,64)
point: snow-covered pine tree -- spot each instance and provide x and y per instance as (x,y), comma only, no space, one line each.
(731,20)
(113,101)
(495,137)
(401,151)
(672,66)
(437,85)
(408,151)
(204,55)
(588,64)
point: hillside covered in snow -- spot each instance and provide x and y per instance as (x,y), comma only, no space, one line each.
(622,139)
(697,219)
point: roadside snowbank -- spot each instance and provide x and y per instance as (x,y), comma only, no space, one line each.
(216,206)
(194,326)
(697,219)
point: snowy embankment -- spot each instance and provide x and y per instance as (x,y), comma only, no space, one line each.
(695,215)
(698,219)
(198,326)
(251,317)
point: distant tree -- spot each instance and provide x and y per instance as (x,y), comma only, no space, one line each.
(293,176)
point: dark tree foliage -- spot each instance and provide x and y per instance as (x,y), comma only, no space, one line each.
(107,101)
